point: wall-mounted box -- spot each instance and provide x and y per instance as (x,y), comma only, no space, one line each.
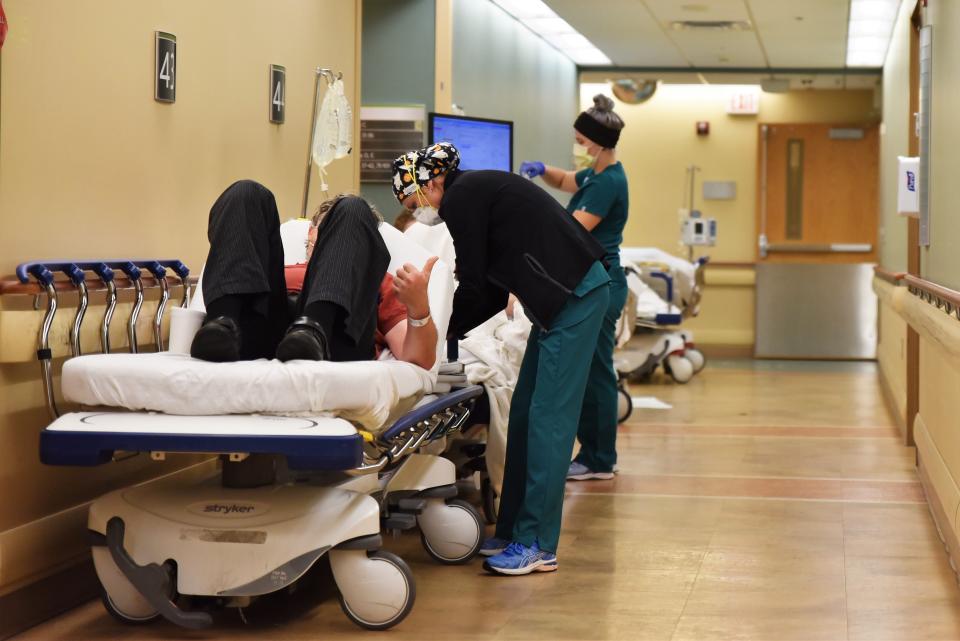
(719,190)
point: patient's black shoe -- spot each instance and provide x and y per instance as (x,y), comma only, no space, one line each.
(304,340)
(218,340)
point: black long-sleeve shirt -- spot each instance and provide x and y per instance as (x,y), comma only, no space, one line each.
(511,236)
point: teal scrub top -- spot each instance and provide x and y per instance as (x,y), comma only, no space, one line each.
(604,195)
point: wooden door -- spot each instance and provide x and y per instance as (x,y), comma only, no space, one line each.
(817,201)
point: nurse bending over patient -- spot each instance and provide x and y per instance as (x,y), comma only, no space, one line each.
(338,311)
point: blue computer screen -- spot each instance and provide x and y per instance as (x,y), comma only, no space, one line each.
(482,144)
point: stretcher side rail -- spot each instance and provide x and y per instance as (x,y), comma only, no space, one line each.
(431,421)
(81,447)
(44,274)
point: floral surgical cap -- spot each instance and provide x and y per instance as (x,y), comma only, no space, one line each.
(418,167)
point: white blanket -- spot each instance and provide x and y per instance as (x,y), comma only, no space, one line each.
(369,393)
(684,272)
(491,355)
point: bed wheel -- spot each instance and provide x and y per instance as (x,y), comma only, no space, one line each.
(451,532)
(696,358)
(144,617)
(489,498)
(625,405)
(377,590)
(120,598)
(679,368)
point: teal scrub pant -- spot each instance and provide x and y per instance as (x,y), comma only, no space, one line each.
(544,413)
(598,419)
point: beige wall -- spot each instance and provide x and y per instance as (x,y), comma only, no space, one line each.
(936,429)
(894,141)
(892,358)
(941,262)
(91,166)
(660,141)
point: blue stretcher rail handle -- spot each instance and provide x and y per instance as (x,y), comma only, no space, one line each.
(426,411)
(103,271)
(43,270)
(74,273)
(128,268)
(38,270)
(159,271)
(668,279)
(178,268)
(668,319)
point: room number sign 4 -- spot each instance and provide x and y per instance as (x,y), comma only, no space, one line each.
(165,85)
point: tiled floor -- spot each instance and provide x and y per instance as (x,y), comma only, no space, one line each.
(773,502)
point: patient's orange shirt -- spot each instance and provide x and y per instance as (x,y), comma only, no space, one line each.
(390,310)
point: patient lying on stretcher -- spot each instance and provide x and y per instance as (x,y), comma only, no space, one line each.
(347,308)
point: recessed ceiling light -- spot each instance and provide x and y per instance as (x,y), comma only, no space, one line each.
(694,7)
(539,18)
(869,31)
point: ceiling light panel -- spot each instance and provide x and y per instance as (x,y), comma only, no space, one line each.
(807,34)
(536,16)
(869,31)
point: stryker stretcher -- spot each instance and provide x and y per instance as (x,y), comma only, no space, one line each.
(663,291)
(299,481)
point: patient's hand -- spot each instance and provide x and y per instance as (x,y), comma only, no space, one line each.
(410,286)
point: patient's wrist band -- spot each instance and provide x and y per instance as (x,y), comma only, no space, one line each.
(418,322)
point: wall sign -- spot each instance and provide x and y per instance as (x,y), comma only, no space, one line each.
(744,103)
(385,133)
(165,67)
(278,93)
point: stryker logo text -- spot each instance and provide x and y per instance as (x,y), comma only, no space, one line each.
(223,508)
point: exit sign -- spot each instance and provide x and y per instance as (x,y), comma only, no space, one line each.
(744,103)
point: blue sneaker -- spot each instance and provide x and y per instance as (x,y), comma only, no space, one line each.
(493,546)
(520,559)
(580,472)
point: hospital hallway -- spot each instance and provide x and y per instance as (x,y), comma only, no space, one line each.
(774,502)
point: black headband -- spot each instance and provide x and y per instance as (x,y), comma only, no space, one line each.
(598,133)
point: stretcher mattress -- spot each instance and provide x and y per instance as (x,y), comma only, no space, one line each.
(368,393)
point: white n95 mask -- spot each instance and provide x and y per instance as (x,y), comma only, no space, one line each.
(427,215)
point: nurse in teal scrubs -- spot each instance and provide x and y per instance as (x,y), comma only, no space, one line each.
(600,202)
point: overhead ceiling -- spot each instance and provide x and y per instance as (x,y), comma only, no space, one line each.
(778,34)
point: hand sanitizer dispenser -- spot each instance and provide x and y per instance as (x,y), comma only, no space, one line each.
(908,194)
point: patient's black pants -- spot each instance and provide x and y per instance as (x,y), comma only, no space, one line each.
(244,276)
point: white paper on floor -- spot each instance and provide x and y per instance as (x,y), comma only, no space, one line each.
(650,403)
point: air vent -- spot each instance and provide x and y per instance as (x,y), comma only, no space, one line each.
(711,25)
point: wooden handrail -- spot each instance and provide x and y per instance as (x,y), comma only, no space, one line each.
(729,265)
(13,286)
(942,297)
(893,278)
